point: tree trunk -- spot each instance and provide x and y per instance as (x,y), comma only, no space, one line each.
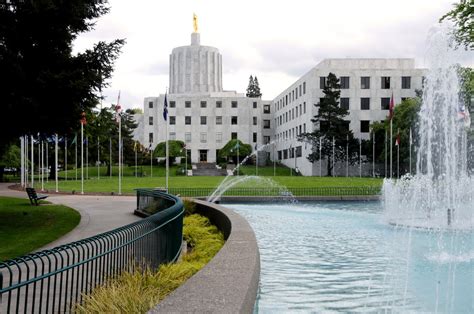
(329,167)
(2,170)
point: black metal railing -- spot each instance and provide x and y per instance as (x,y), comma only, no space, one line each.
(53,281)
(279,191)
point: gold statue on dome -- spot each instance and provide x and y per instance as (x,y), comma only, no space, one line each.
(195,22)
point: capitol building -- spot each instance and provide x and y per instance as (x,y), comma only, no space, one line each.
(205,116)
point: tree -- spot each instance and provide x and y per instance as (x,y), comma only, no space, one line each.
(10,159)
(253,89)
(461,15)
(175,149)
(233,148)
(45,87)
(256,88)
(331,125)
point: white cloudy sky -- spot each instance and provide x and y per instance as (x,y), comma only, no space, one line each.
(276,40)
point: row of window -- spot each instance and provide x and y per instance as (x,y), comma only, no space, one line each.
(290,153)
(292,133)
(291,114)
(233,121)
(365,103)
(364,126)
(203,137)
(293,95)
(203,104)
(365,82)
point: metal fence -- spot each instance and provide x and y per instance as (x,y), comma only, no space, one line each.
(278,191)
(53,281)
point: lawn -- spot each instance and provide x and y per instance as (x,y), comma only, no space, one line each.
(25,228)
(129,183)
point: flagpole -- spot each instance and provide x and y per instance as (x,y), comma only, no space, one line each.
(391,137)
(47,164)
(22,161)
(398,154)
(256,160)
(347,155)
(373,154)
(26,160)
(56,160)
(119,154)
(410,151)
(82,157)
(320,160)
(167,139)
(385,168)
(291,150)
(136,165)
(42,166)
(110,157)
(238,162)
(87,157)
(32,162)
(98,158)
(151,161)
(186,159)
(360,158)
(65,156)
(333,157)
(75,159)
(274,159)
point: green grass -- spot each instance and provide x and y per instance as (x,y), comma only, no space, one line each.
(25,228)
(140,290)
(108,185)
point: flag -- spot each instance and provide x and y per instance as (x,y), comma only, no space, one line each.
(149,147)
(86,141)
(118,109)
(135,146)
(397,140)
(74,140)
(463,115)
(165,109)
(83,118)
(391,107)
(256,147)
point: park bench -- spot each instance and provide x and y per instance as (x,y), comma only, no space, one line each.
(34,197)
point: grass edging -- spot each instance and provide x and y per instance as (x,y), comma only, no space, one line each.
(139,291)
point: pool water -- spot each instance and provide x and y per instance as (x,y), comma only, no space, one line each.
(343,257)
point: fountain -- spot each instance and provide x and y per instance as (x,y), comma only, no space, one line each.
(440,194)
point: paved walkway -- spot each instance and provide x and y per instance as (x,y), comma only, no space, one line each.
(98,213)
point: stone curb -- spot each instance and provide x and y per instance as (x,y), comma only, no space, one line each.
(229,282)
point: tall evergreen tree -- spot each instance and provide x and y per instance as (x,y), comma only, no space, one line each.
(330,124)
(257,92)
(251,87)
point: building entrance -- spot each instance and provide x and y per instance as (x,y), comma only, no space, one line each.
(203,155)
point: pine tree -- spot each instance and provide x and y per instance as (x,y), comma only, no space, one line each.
(257,92)
(251,87)
(330,124)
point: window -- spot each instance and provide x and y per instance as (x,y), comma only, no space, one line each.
(233,120)
(345,103)
(172,120)
(279,155)
(296,111)
(187,120)
(385,82)
(266,108)
(304,88)
(404,98)
(187,104)
(385,103)
(150,137)
(218,137)
(187,137)
(150,120)
(233,135)
(218,104)
(254,105)
(234,104)
(203,120)
(150,104)
(203,137)
(291,152)
(218,120)
(304,128)
(300,89)
(266,139)
(299,151)
(304,107)
(254,137)
(266,124)
(254,120)
(172,104)
(301,109)
(365,103)
(365,82)
(345,125)
(344,82)
(172,136)
(322,82)
(296,90)
(406,82)
(285,154)
(364,126)
(203,104)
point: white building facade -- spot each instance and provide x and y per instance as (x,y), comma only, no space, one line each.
(205,117)
(366,88)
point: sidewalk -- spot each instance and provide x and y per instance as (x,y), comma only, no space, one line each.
(98,213)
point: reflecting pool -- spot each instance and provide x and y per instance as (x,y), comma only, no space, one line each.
(344,257)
